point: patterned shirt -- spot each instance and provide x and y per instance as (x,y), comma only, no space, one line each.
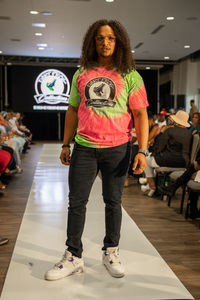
(105,99)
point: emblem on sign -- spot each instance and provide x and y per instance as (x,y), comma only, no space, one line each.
(52,87)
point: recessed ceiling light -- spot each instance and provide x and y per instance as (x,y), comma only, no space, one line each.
(46,13)
(148,68)
(133,51)
(42,45)
(42,25)
(41,48)
(78,66)
(1,51)
(166,57)
(170,18)
(34,12)
(38,34)
(109,0)
(187,46)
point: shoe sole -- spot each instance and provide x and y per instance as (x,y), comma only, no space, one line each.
(76,272)
(112,274)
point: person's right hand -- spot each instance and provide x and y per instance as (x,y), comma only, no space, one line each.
(65,156)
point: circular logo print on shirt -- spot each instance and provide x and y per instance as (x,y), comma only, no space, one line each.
(100,92)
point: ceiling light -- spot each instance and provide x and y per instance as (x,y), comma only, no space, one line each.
(78,66)
(42,25)
(109,0)
(41,48)
(38,34)
(166,57)
(148,68)
(42,45)
(1,51)
(170,18)
(133,51)
(187,46)
(46,13)
(34,12)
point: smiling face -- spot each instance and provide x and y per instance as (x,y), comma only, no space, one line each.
(105,42)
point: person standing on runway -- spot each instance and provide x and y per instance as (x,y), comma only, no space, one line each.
(104,91)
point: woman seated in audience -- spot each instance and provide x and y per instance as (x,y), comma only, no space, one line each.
(171,149)
(12,134)
(195,128)
(5,158)
(7,139)
(18,133)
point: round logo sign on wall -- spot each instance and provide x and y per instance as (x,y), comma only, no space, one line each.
(52,87)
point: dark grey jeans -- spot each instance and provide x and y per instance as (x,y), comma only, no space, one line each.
(84,166)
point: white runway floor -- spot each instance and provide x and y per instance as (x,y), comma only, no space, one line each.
(41,239)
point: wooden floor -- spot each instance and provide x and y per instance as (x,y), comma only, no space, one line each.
(177,240)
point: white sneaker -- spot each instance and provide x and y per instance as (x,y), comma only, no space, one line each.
(112,262)
(151,193)
(68,265)
(142,180)
(146,188)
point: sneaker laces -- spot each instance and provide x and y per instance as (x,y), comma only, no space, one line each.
(114,256)
(66,256)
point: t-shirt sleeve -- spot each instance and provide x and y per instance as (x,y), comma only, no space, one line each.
(137,92)
(74,98)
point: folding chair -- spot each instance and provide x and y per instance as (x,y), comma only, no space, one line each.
(174,173)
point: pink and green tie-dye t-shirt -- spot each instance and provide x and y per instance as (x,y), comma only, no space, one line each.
(105,99)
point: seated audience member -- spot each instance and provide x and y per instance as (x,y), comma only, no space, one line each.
(5,158)
(12,134)
(22,127)
(161,119)
(12,163)
(19,134)
(171,148)
(195,128)
(3,241)
(8,139)
(153,131)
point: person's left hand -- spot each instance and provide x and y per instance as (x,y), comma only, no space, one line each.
(194,132)
(139,164)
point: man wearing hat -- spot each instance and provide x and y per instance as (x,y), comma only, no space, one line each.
(171,148)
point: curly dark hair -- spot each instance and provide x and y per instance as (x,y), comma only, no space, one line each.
(122,57)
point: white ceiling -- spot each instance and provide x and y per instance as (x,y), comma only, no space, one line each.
(65,28)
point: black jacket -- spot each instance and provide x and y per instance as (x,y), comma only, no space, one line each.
(172,147)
